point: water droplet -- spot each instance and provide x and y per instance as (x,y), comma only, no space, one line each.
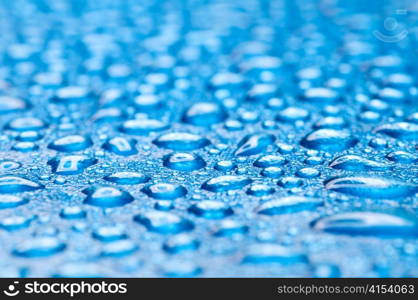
(147,102)
(9,165)
(180,269)
(320,95)
(230,228)
(25,124)
(307,173)
(163,222)
(210,209)
(205,114)
(272,172)
(269,161)
(368,224)
(71,164)
(262,92)
(292,114)
(331,122)
(290,182)
(29,136)
(289,204)
(402,157)
(260,190)
(15,184)
(71,143)
(371,187)
(11,201)
(272,253)
(357,163)
(226,80)
(181,243)
(15,223)
(120,248)
(39,247)
(78,270)
(143,126)
(72,213)
(11,104)
(400,130)
(225,165)
(254,144)
(127,178)
(107,196)
(109,233)
(25,147)
(329,140)
(110,114)
(181,141)
(165,191)
(226,183)
(182,161)
(121,146)
(72,94)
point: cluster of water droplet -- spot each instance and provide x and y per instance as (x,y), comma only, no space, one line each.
(206,138)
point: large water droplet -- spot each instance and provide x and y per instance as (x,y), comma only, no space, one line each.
(254,144)
(210,209)
(371,187)
(147,102)
(226,183)
(181,243)
(260,190)
(127,178)
(39,247)
(143,126)
(72,94)
(109,233)
(25,124)
(181,141)
(205,114)
(71,164)
(329,140)
(11,104)
(368,224)
(402,157)
(121,146)
(320,95)
(107,196)
(15,184)
(72,213)
(11,201)
(8,165)
(71,143)
(164,222)
(292,114)
(184,161)
(289,204)
(357,163)
(165,191)
(400,130)
(272,253)
(120,248)
(269,161)
(15,223)
(230,228)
